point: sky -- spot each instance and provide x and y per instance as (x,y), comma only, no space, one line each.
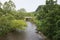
(28,5)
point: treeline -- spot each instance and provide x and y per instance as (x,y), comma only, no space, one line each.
(49,20)
(10,18)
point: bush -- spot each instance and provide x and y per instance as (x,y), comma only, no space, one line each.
(50,21)
(4,25)
(7,25)
(18,24)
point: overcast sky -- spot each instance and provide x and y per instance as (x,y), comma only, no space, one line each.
(29,5)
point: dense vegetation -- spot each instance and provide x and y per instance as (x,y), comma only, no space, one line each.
(49,20)
(46,17)
(10,19)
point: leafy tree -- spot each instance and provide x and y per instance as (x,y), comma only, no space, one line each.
(9,18)
(8,7)
(49,16)
(0,4)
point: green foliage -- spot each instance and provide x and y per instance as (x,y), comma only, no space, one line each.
(4,25)
(7,25)
(8,6)
(57,36)
(49,16)
(10,19)
(18,24)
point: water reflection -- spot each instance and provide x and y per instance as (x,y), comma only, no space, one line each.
(28,34)
(31,32)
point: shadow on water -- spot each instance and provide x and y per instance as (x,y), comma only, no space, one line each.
(28,34)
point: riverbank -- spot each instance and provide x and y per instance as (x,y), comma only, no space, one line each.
(28,34)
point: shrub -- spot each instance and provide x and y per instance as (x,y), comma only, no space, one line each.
(18,24)
(7,25)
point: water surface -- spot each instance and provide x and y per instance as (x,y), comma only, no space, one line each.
(28,34)
(31,32)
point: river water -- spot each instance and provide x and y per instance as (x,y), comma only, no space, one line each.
(31,32)
(28,34)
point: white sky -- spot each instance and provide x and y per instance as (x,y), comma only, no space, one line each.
(29,5)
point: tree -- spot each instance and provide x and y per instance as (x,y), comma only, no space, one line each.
(8,7)
(0,4)
(49,16)
(22,10)
(9,18)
